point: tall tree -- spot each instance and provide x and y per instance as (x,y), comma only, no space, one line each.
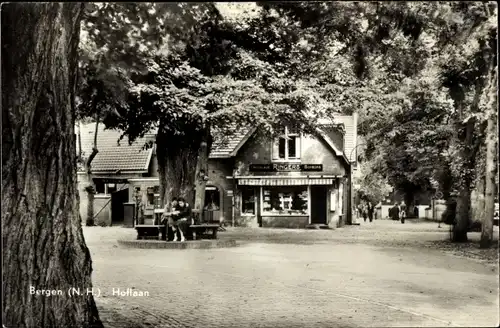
(490,185)
(210,80)
(42,238)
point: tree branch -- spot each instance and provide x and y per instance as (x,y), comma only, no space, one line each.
(94,147)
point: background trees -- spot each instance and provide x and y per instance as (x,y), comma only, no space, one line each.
(423,74)
(274,61)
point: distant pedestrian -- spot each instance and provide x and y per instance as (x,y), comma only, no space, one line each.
(394,212)
(403,212)
(359,210)
(365,211)
(370,209)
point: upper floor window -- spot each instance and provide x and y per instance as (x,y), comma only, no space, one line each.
(287,145)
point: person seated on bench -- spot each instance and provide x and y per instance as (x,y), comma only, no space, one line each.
(168,209)
(181,219)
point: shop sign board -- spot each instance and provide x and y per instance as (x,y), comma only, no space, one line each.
(114,180)
(286,167)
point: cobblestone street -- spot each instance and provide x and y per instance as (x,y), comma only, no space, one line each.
(378,274)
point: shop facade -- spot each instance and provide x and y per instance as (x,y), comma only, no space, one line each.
(291,181)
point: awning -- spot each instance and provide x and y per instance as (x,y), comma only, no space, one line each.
(285,181)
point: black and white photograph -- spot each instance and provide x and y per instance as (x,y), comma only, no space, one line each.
(267,164)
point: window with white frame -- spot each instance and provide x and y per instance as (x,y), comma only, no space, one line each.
(287,146)
(286,200)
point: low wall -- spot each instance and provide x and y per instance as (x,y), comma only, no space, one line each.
(296,222)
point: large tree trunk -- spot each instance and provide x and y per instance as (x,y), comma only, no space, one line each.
(462,220)
(43,242)
(90,188)
(176,166)
(468,146)
(201,174)
(491,164)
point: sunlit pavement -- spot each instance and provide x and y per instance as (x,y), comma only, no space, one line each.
(377,274)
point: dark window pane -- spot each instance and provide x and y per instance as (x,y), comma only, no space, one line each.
(248,201)
(291,147)
(281,148)
(111,188)
(99,186)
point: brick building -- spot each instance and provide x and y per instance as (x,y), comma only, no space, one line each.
(292,181)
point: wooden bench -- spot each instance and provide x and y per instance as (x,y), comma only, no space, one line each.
(150,231)
(204,230)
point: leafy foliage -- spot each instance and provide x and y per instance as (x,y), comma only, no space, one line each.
(413,71)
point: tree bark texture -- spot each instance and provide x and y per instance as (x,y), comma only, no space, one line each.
(177,157)
(462,220)
(491,163)
(90,188)
(43,242)
(201,173)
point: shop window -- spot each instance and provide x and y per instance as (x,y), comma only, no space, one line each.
(248,199)
(212,198)
(287,146)
(285,201)
(153,197)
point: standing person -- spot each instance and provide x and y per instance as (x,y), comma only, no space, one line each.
(182,218)
(403,212)
(365,211)
(395,212)
(370,211)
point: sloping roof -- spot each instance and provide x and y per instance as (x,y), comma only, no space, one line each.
(125,157)
(113,156)
(338,152)
(350,124)
(225,146)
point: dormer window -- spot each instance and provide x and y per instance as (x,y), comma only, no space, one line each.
(286,147)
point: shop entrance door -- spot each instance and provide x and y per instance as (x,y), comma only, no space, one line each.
(118,198)
(318,204)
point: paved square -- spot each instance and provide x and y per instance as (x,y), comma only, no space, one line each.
(372,275)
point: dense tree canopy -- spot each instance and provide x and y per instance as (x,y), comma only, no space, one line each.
(414,72)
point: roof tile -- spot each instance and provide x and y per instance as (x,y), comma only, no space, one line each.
(113,156)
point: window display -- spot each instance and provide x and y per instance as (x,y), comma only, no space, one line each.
(248,197)
(153,197)
(284,200)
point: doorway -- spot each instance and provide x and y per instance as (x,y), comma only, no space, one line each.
(118,198)
(318,204)
(212,206)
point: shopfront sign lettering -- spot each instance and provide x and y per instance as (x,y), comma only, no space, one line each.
(113,180)
(285,167)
